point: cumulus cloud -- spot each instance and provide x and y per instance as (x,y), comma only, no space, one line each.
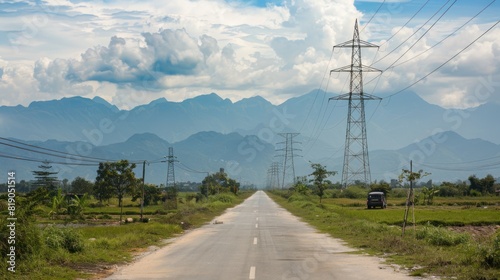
(179,49)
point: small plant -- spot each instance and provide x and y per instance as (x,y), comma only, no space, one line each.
(492,254)
(441,237)
(224,198)
(65,238)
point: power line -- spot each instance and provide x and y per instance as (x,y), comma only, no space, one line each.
(448,36)
(422,36)
(91,161)
(43,161)
(422,26)
(67,155)
(439,67)
(493,165)
(317,93)
(414,15)
(380,6)
(189,169)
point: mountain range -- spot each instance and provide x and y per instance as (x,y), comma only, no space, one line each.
(208,132)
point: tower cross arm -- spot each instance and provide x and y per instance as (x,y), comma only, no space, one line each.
(363,96)
(355,43)
(355,68)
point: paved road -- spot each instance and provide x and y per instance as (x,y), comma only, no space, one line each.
(257,240)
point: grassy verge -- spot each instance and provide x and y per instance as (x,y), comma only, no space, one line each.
(430,250)
(84,252)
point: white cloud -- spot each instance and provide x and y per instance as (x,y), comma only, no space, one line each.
(132,52)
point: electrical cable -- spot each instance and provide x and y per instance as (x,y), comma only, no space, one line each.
(380,6)
(449,35)
(422,26)
(83,158)
(414,15)
(422,36)
(43,161)
(317,92)
(439,67)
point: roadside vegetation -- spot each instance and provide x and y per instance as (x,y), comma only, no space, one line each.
(88,229)
(455,236)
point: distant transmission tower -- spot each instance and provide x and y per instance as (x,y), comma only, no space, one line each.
(171,159)
(356,163)
(288,155)
(273,174)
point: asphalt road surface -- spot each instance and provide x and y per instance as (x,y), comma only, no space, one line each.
(257,240)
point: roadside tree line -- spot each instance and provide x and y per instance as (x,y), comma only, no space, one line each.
(317,183)
(113,180)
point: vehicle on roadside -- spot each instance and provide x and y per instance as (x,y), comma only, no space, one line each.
(376,199)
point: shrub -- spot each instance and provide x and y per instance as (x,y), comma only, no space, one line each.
(297,197)
(65,238)
(3,205)
(105,217)
(492,254)
(354,192)
(223,197)
(441,237)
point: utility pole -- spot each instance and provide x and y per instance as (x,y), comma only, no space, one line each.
(143,178)
(356,163)
(288,155)
(409,201)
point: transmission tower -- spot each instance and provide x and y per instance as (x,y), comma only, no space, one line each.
(356,164)
(171,159)
(273,174)
(288,155)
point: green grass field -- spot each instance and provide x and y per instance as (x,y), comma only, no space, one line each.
(80,249)
(431,248)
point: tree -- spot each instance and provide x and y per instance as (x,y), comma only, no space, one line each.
(429,194)
(152,194)
(410,177)
(380,187)
(44,177)
(301,188)
(118,177)
(81,186)
(78,204)
(58,205)
(485,185)
(319,175)
(217,182)
(65,185)
(233,186)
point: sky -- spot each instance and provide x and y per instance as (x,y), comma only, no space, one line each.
(131,52)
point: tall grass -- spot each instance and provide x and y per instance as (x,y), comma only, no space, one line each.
(430,250)
(73,251)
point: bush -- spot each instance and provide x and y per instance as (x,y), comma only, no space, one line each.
(223,197)
(297,197)
(65,238)
(3,205)
(105,217)
(492,254)
(441,237)
(354,192)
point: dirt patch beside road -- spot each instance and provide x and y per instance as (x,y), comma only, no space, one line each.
(478,232)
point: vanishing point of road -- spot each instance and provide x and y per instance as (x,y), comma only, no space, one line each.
(257,240)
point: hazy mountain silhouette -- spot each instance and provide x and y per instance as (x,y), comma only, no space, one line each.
(244,133)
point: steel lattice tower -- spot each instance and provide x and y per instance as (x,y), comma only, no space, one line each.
(288,156)
(356,163)
(273,173)
(171,159)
